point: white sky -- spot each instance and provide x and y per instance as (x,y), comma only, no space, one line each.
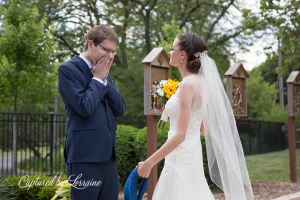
(256,55)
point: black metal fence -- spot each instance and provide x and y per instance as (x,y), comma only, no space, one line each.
(261,136)
(41,139)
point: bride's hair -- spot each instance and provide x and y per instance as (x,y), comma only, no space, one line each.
(192,43)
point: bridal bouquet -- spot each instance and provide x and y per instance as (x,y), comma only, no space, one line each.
(165,89)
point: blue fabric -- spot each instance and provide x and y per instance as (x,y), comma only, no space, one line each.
(131,186)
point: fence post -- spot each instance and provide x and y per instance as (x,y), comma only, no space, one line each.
(283,135)
(15,144)
(260,151)
(278,135)
(51,143)
(249,133)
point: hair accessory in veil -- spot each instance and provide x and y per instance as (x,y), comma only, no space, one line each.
(226,161)
(201,54)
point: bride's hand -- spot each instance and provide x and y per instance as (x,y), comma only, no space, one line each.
(144,169)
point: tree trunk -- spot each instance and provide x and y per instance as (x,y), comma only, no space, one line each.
(147,31)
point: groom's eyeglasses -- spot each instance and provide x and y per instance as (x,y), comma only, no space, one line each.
(105,49)
(172,49)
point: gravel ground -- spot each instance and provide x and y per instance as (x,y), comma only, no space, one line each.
(261,190)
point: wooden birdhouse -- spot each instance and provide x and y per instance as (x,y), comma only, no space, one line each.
(293,94)
(236,88)
(156,68)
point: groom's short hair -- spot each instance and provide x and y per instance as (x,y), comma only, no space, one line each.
(100,33)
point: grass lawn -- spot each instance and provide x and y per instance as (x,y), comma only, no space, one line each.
(27,152)
(273,166)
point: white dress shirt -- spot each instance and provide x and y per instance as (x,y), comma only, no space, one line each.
(91,66)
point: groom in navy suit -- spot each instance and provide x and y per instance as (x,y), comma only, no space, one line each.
(92,102)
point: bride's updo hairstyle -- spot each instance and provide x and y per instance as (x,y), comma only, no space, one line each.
(192,43)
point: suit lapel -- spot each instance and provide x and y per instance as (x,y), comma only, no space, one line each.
(83,66)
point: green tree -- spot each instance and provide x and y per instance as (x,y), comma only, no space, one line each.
(283,19)
(170,31)
(139,25)
(27,76)
(260,95)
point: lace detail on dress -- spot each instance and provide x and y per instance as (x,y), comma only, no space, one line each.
(198,110)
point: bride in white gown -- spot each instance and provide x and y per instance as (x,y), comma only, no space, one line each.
(200,106)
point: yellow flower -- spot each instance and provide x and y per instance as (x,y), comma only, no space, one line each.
(166,88)
(175,83)
(169,90)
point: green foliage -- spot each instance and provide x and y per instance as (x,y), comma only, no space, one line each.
(27,77)
(260,95)
(34,192)
(142,25)
(141,144)
(170,31)
(126,158)
(6,191)
(46,193)
(284,20)
(63,190)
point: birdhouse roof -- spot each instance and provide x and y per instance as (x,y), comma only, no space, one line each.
(293,77)
(235,67)
(154,53)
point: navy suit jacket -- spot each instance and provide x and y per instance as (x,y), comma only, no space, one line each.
(91,108)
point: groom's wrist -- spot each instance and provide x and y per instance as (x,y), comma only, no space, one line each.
(101,81)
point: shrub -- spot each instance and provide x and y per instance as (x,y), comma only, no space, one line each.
(34,192)
(6,191)
(46,193)
(141,144)
(126,158)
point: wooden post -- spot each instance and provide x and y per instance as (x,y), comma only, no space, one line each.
(293,97)
(156,68)
(151,148)
(292,148)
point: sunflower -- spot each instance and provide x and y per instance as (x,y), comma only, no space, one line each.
(175,83)
(169,90)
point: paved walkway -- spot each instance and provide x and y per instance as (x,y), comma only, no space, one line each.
(295,196)
(6,162)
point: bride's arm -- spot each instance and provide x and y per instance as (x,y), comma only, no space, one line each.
(185,95)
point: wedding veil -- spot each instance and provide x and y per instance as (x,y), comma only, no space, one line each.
(226,161)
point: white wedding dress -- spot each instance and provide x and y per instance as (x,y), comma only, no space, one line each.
(182,177)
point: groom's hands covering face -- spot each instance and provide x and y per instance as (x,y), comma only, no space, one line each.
(101,68)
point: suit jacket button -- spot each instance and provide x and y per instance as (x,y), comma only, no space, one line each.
(107,125)
(106,110)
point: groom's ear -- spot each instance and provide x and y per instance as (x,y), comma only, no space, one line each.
(90,43)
